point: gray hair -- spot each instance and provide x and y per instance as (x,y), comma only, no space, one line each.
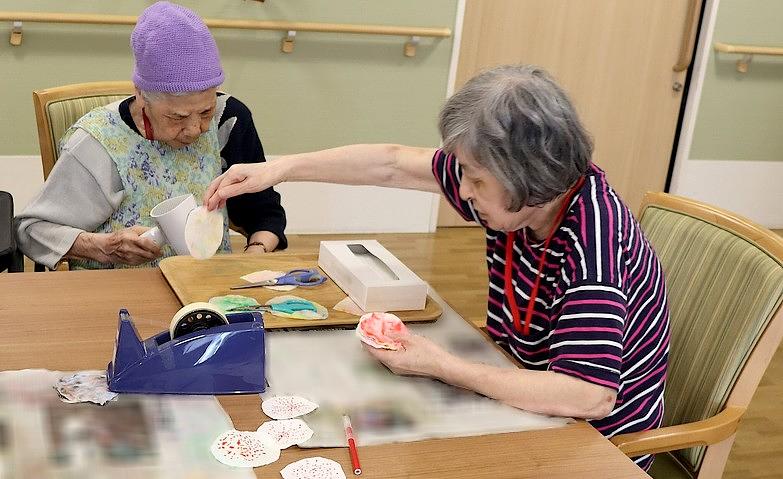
(153,96)
(520,125)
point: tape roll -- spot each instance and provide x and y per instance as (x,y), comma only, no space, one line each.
(195,317)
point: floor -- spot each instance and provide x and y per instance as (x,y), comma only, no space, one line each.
(452,261)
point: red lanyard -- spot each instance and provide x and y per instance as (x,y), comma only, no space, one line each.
(148,133)
(509,287)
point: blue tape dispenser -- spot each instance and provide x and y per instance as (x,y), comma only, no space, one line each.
(204,352)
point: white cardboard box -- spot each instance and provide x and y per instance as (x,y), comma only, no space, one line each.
(365,279)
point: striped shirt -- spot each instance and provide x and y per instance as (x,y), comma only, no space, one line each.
(600,314)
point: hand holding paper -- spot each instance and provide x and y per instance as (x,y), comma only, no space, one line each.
(239,179)
(402,352)
(416,356)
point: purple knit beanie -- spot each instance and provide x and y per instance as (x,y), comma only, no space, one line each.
(174,51)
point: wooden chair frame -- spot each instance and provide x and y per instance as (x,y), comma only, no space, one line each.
(42,99)
(717,432)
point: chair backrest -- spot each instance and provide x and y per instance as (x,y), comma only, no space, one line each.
(56,109)
(724,276)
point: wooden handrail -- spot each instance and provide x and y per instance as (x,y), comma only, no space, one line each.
(688,39)
(98,19)
(747,49)
(290,27)
(747,52)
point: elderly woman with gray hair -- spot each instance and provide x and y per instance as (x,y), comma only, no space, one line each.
(173,137)
(576,293)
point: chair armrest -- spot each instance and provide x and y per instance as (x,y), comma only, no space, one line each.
(682,436)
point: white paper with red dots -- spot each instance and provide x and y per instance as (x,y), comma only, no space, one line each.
(245,449)
(313,468)
(287,432)
(287,407)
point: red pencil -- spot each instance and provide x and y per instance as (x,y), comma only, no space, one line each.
(357,468)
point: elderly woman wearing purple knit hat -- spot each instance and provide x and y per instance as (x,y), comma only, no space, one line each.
(173,137)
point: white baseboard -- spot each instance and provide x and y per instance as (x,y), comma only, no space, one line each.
(310,207)
(749,188)
(326,208)
(22,176)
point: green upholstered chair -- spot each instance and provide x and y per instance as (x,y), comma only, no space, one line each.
(724,276)
(56,109)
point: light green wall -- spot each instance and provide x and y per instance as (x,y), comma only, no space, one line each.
(333,89)
(740,116)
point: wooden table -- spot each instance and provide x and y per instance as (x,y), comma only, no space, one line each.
(67,321)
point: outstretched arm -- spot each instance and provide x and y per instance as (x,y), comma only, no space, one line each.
(394,166)
(545,392)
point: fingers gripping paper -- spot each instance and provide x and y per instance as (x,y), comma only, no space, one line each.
(287,432)
(287,407)
(245,449)
(313,468)
(375,329)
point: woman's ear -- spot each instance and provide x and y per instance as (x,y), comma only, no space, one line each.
(139,97)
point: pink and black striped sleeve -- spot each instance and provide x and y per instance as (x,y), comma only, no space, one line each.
(587,340)
(447,171)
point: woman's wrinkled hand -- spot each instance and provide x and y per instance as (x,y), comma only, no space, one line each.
(239,179)
(125,246)
(416,356)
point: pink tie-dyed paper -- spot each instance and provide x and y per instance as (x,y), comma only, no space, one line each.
(374,329)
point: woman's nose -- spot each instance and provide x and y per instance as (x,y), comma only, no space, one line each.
(193,127)
(204,125)
(465,191)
